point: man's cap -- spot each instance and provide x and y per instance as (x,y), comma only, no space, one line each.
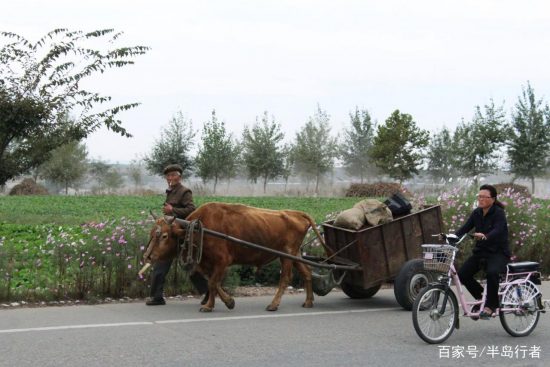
(173,168)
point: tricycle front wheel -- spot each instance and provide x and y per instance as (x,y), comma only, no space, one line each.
(435,314)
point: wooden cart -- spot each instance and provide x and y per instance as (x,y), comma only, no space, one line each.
(386,253)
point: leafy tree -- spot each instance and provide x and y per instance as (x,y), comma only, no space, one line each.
(99,171)
(67,165)
(41,82)
(21,139)
(262,150)
(113,179)
(314,149)
(398,144)
(529,141)
(288,163)
(477,143)
(135,173)
(218,152)
(234,164)
(441,161)
(357,143)
(174,145)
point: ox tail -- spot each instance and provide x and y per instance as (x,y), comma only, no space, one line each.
(313,225)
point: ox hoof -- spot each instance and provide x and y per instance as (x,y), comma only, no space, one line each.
(307,305)
(272,308)
(205,309)
(231,304)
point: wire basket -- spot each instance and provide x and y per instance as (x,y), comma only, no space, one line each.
(438,258)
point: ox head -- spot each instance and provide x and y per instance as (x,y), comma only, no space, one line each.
(163,241)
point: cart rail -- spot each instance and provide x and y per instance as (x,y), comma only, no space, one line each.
(231,239)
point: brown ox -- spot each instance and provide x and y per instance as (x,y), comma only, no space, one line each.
(282,230)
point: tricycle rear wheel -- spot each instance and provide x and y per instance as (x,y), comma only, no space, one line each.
(356,292)
(412,278)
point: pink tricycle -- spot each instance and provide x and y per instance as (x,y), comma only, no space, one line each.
(435,310)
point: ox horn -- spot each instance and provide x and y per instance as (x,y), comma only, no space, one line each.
(144,269)
(153,214)
(169,220)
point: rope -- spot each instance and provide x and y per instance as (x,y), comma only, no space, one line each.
(194,250)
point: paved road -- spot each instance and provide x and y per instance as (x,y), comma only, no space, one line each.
(337,332)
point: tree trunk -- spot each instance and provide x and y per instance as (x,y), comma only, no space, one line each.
(532,185)
(265,183)
(317,184)
(215,184)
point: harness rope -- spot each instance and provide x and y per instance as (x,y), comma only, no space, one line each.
(194,248)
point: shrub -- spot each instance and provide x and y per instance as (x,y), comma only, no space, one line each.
(528,226)
(511,187)
(378,189)
(28,187)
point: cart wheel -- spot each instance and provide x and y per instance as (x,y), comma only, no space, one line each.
(412,278)
(355,292)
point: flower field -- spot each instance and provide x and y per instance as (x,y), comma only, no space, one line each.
(90,247)
(72,247)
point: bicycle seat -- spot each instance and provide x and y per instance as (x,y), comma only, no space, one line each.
(523,267)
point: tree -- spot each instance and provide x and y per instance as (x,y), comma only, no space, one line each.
(262,150)
(113,179)
(99,171)
(398,145)
(477,143)
(314,149)
(288,163)
(357,143)
(529,141)
(41,82)
(218,153)
(135,173)
(20,134)
(67,165)
(174,145)
(441,161)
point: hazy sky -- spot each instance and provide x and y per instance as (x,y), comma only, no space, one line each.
(435,60)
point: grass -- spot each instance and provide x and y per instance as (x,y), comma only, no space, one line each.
(90,247)
(75,210)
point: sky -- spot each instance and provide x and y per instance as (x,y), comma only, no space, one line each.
(435,60)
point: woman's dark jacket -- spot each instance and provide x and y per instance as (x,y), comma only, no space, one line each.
(493,225)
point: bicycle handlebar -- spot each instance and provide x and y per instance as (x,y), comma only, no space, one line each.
(452,239)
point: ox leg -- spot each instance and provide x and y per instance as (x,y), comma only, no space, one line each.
(305,272)
(226,298)
(214,282)
(286,272)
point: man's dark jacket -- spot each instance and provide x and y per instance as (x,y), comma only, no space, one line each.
(181,199)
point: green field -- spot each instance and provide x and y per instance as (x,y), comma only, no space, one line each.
(74,210)
(90,247)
